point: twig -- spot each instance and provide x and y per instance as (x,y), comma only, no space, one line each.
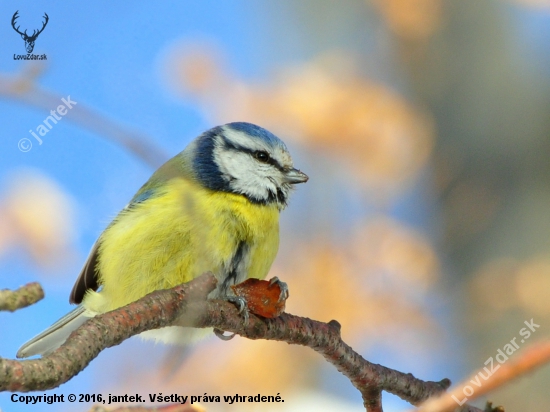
(22,88)
(20,298)
(186,305)
(368,378)
(531,358)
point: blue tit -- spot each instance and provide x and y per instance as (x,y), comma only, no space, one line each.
(213,207)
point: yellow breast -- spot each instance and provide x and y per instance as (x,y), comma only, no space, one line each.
(178,234)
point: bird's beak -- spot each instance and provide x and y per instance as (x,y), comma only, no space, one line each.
(294,176)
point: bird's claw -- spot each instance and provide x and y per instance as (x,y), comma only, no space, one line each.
(220,334)
(282,285)
(241,304)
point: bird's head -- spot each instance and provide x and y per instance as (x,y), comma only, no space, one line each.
(245,159)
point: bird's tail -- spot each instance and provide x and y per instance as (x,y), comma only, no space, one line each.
(53,337)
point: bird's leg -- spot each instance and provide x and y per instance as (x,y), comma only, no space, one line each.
(282,285)
(241,304)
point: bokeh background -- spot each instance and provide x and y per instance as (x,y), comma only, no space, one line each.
(424,126)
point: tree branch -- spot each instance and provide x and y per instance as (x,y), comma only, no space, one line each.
(531,358)
(155,310)
(21,298)
(369,378)
(23,88)
(186,305)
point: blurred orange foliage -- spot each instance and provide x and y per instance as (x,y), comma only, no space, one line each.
(415,20)
(35,213)
(509,284)
(323,104)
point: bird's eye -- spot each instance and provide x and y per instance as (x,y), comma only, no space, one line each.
(261,156)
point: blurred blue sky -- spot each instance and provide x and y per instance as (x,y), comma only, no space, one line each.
(106,55)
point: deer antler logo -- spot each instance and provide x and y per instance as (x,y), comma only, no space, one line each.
(29,40)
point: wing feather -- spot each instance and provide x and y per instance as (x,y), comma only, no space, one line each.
(88,278)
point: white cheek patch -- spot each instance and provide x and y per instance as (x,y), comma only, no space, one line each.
(232,163)
(244,174)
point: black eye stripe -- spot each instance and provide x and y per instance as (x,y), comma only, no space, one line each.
(232,146)
(268,160)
